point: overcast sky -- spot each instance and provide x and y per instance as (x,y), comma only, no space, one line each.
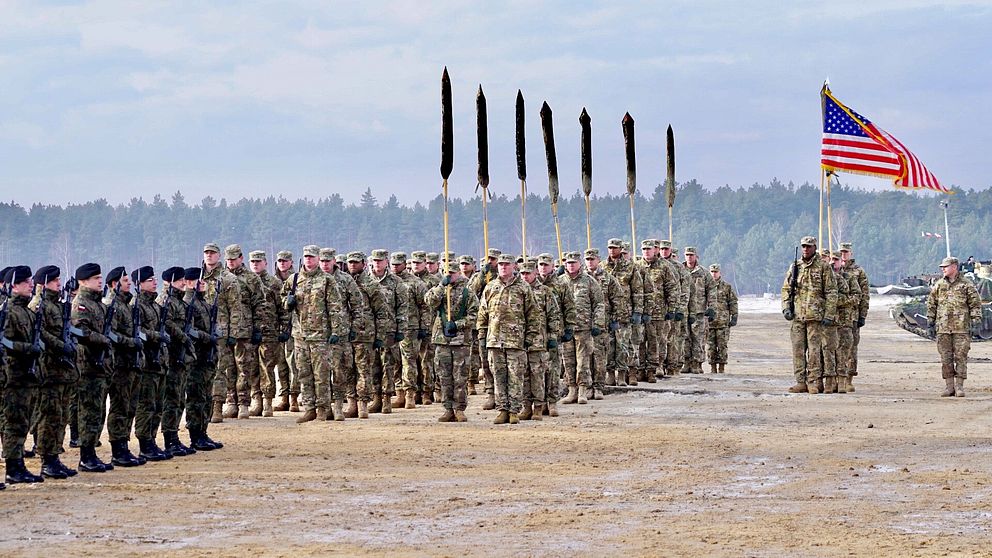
(246,99)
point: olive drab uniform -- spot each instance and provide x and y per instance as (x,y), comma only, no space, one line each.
(272,320)
(954,308)
(417,330)
(243,379)
(678,328)
(861,278)
(60,378)
(289,384)
(848,303)
(614,307)
(388,360)
(380,326)
(356,321)
(590,317)
(232,324)
(815,307)
(174,392)
(451,353)
(725,317)
(631,300)
(200,379)
(550,326)
(20,391)
(700,308)
(88,314)
(127,370)
(151,387)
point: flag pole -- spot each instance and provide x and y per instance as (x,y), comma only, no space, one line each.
(482,130)
(547,128)
(586,163)
(627,125)
(447,160)
(830,228)
(819,234)
(522,173)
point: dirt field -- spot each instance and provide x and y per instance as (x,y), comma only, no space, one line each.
(714,465)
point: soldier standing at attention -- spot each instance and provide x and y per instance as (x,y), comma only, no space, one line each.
(725,317)
(811,308)
(416,331)
(127,370)
(230,325)
(378,319)
(700,309)
(289,385)
(245,373)
(562,290)
(507,323)
(954,312)
(856,271)
(535,394)
(590,321)
(148,408)
(848,301)
(467,265)
(615,309)
(477,284)
(452,337)
(354,321)
(632,295)
(174,392)
(427,378)
(388,361)
(676,334)
(202,367)
(272,322)
(667,313)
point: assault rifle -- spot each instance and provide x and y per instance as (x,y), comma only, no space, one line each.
(4,311)
(39,317)
(163,316)
(108,318)
(69,332)
(212,355)
(188,322)
(136,334)
(291,299)
(794,284)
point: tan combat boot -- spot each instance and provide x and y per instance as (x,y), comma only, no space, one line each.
(256,406)
(352,410)
(376,405)
(830,384)
(411,400)
(267,407)
(841,384)
(514,419)
(218,412)
(812,388)
(572,397)
(949,389)
(283,404)
(321,413)
(363,409)
(460,416)
(338,410)
(387,406)
(502,418)
(632,378)
(621,379)
(294,403)
(552,409)
(400,400)
(720,368)
(611,378)
(958,386)
(307,417)
(538,410)
(713,368)
(490,403)
(243,412)
(581,397)
(428,397)
(448,416)
(850,384)
(525,411)
(819,385)
(230,410)
(471,389)
(597,393)
(798,388)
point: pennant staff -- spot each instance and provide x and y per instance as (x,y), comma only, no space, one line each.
(547,126)
(819,234)
(522,173)
(628,142)
(670,177)
(447,160)
(482,127)
(584,122)
(830,228)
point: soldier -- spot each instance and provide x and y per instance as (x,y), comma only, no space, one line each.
(631,308)
(562,290)
(315,303)
(388,360)
(452,337)
(848,301)
(700,309)
(678,328)
(23,373)
(174,391)
(856,271)
(590,321)
(614,308)
(289,384)
(550,330)
(954,314)
(416,331)
(507,324)
(427,378)
(432,265)
(354,321)
(725,317)
(811,308)
(202,365)
(230,325)
(148,407)
(378,320)
(242,372)
(477,284)
(467,264)
(273,323)
(667,312)
(127,370)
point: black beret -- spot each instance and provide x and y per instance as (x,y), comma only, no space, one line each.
(17,274)
(47,273)
(142,274)
(87,270)
(115,274)
(193,273)
(173,273)
(3,274)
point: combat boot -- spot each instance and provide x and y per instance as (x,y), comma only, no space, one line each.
(490,403)
(572,397)
(471,389)
(363,409)
(88,462)
(73,434)
(256,406)
(50,467)
(69,471)
(632,378)
(720,368)
(243,412)
(294,403)
(958,386)
(526,411)
(283,404)
(813,387)
(338,410)
(713,368)
(321,413)
(230,410)
(175,447)
(581,398)
(352,410)
(949,389)
(387,407)
(376,406)
(267,407)
(597,393)
(307,416)
(206,439)
(411,399)
(538,409)
(502,418)
(199,441)
(428,397)
(829,384)
(819,385)
(399,401)
(651,377)
(448,416)
(460,416)
(850,384)
(17,473)
(841,384)
(150,450)
(514,419)
(552,409)
(800,387)
(121,456)
(621,379)
(218,413)
(611,378)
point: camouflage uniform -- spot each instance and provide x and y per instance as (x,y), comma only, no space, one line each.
(60,378)
(663,303)
(590,318)
(550,326)
(616,310)
(725,306)
(700,308)
(562,290)
(622,346)
(148,413)
(427,379)
(232,324)
(861,278)
(88,314)
(477,283)
(242,372)
(848,302)
(127,370)
(954,308)
(678,331)
(174,392)
(473,363)
(353,320)
(388,360)
(508,322)
(815,307)
(202,367)
(289,384)
(451,353)
(20,391)
(378,319)
(417,328)
(272,320)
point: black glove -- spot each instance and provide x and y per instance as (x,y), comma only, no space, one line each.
(567,335)
(166,338)
(669,316)
(932,331)
(691,320)
(788,314)
(352,335)
(710,313)
(421,334)
(231,341)
(291,302)
(678,316)
(450,329)
(256,336)
(861,322)
(595,331)
(34,348)
(446,280)
(826,322)
(283,337)
(733,320)
(635,318)
(486,269)
(398,336)
(333,340)
(645,319)
(614,325)
(552,344)
(377,344)
(560,270)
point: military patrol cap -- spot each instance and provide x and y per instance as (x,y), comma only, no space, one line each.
(690,250)
(398,258)
(233,252)
(116,274)
(284,255)
(714,267)
(466,259)
(432,257)
(625,247)
(327,254)
(528,267)
(356,256)
(311,250)
(614,243)
(591,253)
(545,258)
(192,273)
(341,258)
(418,256)
(846,246)
(46,273)
(572,257)
(451,256)
(453,266)
(256,256)
(836,255)
(493,253)
(663,244)
(505,258)
(143,274)
(86,271)
(647,243)
(380,254)
(949,260)
(824,252)
(173,273)
(808,241)
(211,247)
(18,274)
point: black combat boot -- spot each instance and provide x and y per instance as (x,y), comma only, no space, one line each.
(173,446)
(33,452)
(73,434)
(121,455)
(89,462)
(207,439)
(198,440)
(69,472)
(17,473)
(151,451)
(51,467)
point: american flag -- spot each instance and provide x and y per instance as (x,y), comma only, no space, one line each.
(851,143)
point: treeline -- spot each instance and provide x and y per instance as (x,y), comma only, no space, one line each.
(752,232)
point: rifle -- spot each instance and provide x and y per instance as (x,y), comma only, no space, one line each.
(4,312)
(163,316)
(68,330)
(212,355)
(108,318)
(291,298)
(794,284)
(136,334)
(39,316)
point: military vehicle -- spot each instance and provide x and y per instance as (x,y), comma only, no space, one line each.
(911,314)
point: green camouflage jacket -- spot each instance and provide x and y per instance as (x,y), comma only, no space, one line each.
(817,296)
(551,324)
(667,287)
(508,314)
(848,298)
(590,309)
(724,303)
(562,289)
(123,326)
(18,331)
(271,318)
(631,287)
(355,315)
(201,323)
(57,369)
(397,298)
(88,314)
(700,290)
(464,311)
(418,316)
(378,315)
(151,313)
(253,302)
(954,306)
(232,319)
(684,281)
(861,278)
(318,312)
(615,303)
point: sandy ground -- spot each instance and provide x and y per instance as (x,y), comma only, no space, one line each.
(714,465)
